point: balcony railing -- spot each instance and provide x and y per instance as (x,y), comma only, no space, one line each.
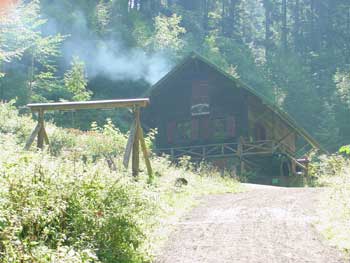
(221,150)
(242,150)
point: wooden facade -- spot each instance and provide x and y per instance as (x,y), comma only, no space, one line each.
(203,112)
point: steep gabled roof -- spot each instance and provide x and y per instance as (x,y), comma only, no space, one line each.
(239,84)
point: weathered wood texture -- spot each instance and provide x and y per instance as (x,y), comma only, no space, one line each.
(276,129)
(136,145)
(237,122)
(129,145)
(32,136)
(145,151)
(80,105)
(41,133)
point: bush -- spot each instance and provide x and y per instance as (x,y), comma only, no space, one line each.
(67,204)
(334,172)
(11,122)
(49,204)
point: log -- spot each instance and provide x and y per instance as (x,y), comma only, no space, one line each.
(32,136)
(80,105)
(144,150)
(129,146)
(136,145)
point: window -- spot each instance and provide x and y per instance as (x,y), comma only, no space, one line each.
(224,128)
(183,130)
(171,130)
(260,132)
(231,126)
(219,129)
(204,124)
(200,98)
(195,129)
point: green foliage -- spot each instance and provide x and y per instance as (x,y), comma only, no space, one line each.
(79,204)
(12,123)
(290,57)
(75,81)
(342,80)
(17,31)
(345,149)
(334,172)
(168,33)
(49,204)
(103,16)
(21,39)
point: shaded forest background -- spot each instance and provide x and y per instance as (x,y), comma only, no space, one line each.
(294,52)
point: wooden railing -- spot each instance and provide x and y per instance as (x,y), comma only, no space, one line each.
(221,150)
(201,151)
(257,148)
(242,150)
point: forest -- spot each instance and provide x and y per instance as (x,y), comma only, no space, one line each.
(76,200)
(296,53)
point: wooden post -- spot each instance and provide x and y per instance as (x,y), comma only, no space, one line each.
(32,137)
(129,146)
(41,133)
(144,150)
(240,154)
(38,132)
(135,148)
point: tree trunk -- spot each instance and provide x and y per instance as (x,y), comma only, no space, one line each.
(284,26)
(205,13)
(268,22)
(315,36)
(296,31)
(229,17)
(347,51)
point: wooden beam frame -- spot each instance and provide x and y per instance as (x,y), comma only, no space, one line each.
(136,138)
(85,105)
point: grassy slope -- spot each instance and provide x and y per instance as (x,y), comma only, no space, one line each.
(333,172)
(72,206)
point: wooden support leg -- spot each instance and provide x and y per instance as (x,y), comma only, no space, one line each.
(41,133)
(129,146)
(242,166)
(46,138)
(240,155)
(32,136)
(136,146)
(144,150)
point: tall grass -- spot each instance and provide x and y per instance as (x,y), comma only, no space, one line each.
(77,203)
(333,172)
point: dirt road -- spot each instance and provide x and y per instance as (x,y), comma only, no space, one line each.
(264,224)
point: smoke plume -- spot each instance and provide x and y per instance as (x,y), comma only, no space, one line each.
(109,57)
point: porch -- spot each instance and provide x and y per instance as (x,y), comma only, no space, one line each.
(245,152)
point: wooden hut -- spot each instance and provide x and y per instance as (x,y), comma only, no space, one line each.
(203,112)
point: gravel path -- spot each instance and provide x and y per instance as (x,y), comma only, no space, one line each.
(264,224)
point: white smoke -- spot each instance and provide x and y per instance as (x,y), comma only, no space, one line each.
(115,63)
(109,57)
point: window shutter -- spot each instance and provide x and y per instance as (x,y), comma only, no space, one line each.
(200,92)
(195,129)
(171,131)
(231,126)
(205,128)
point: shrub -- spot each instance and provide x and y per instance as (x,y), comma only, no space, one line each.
(47,207)
(334,172)
(66,204)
